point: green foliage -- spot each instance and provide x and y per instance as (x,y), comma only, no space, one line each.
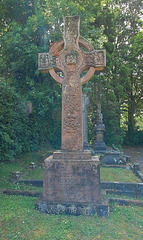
(24,122)
(13,123)
(122,83)
(134,138)
(28,27)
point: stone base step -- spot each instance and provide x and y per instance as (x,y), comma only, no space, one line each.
(21,192)
(121,193)
(76,209)
(126,202)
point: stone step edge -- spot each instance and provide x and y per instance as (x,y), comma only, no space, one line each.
(123,166)
(120,192)
(119,185)
(104,184)
(137,188)
(126,202)
(21,192)
(139,174)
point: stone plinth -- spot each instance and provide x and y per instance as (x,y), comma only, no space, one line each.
(86,209)
(100,146)
(72,185)
(71,181)
(80,155)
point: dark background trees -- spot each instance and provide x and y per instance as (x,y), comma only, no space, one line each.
(31,102)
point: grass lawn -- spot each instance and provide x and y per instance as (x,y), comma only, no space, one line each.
(19,220)
(22,164)
(37,174)
(117,175)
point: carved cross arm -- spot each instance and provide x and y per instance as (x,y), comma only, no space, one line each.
(46,62)
(96,59)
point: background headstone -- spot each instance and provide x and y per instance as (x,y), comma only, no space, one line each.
(85,103)
(100,146)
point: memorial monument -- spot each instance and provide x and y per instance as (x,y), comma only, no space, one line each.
(100,146)
(86,145)
(71,183)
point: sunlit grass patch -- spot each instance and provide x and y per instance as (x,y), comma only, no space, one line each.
(117,175)
(37,174)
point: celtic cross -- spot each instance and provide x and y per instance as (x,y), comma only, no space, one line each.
(67,56)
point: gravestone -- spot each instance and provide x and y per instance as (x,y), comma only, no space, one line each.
(100,146)
(86,145)
(71,183)
(112,157)
(107,157)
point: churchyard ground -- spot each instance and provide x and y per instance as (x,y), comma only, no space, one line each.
(19,219)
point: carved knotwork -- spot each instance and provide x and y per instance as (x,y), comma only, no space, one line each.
(94,59)
(67,57)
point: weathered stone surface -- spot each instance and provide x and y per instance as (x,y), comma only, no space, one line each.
(135,187)
(21,192)
(32,165)
(113,157)
(67,57)
(15,176)
(86,145)
(126,202)
(136,167)
(100,146)
(71,176)
(71,181)
(84,155)
(137,170)
(121,193)
(36,183)
(139,174)
(86,209)
(85,102)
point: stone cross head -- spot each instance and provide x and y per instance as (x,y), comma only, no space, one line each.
(67,57)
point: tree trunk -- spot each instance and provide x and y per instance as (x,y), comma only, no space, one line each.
(131,111)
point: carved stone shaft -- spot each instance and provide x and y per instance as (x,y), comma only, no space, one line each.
(66,56)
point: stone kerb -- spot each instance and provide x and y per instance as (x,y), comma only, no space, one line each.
(137,188)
